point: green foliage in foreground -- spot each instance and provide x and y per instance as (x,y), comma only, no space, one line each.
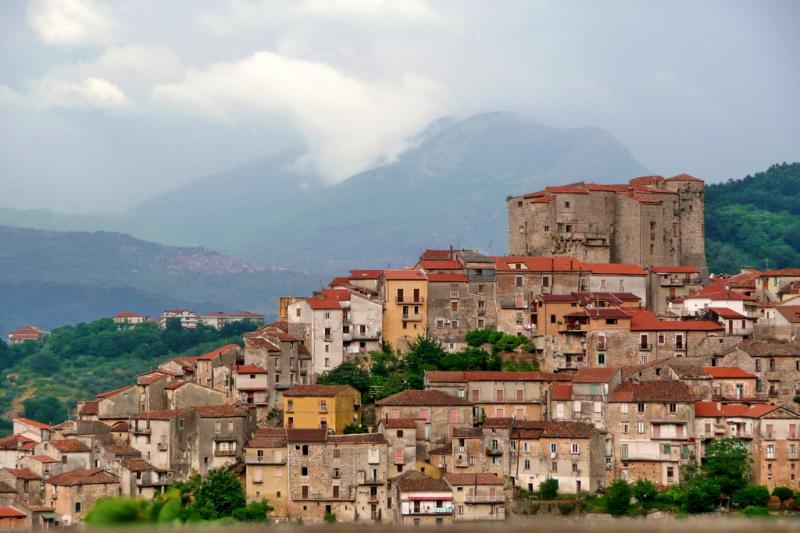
(217,497)
(391,372)
(618,497)
(548,489)
(77,362)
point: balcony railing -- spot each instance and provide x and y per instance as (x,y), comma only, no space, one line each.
(645,347)
(224,453)
(430,510)
(485,498)
(410,300)
(412,317)
(265,460)
(494,452)
(141,430)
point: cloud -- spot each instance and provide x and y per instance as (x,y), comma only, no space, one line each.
(8,96)
(90,93)
(399,11)
(349,123)
(70,22)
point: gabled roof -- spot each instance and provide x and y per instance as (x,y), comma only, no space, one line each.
(413,481)
(322,304)
(421,398)
(306,435)
(537,264)
(45,459)
(220,411)
(717,292)
(705,409)
(721,372)
(109,394)
(365,274)
(70,446)
(89,408)
(450,277)
(22,473)
(322,391)
(652,391)
(340,295)
(122,450)
(683,177)
(128,314)
(759,348)
(16,442)
(561,391)
(216,353)
(594,375)
(440,264)
(785,272)
(463,376)
(790,312)
(84,476)
(404,275)
(137,464)
(644,320)
(32,423)
(10,512)
(727,313)
(250,369)
(358,438)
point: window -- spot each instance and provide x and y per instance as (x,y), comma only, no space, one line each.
(546,228)
(666,449)
(601,359)
(77,507)
(554,466)
(439,323)
(304,471)
(297,312)
(520,318)
(624,451)
(454,307)
(772,365)
(624,427)
(553,447)
(575,448)
(552,319)
(576,406)
(770,451)
(758,365)
(623,408)
(453,324)
(601,342)
(640,427)
(520,395)
(518,281)
(598,407)
(673,408)
(640,407)
(643,358)
(526,464)
(569,228)
(566,205)
(545,281)
(400,295)
(499,395)
(304,449)
(327,314)
(661,339)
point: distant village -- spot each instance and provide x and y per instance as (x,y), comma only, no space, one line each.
(643,358)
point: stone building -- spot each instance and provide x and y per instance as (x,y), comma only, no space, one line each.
(321,321)
(230,354)
(222,432)
(139,478)
(166,438)
(651,430)
(184,394)
(433,411)
(73,493)
(770,433)
(585,399)
(648,221)
(777,365)
(477,497)
(401,434)
(276,349)
(421,500)
(667,283)
(622,278)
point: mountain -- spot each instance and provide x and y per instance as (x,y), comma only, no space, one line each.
(448,189)
(53,278)
(754,221)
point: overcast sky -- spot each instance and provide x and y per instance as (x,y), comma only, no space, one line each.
(103,104)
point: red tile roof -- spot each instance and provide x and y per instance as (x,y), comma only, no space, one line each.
(365,274)
(440,264)
(122,450)
(462,376)
(44,459)
(705,409)
(70,446)
(594,375)
(219,351)
(421,398)
(137,464)
(320,304)
(683,177)
(322,391)
(413,481)
(726,312)
(22,473)
(32,423)
(306,435)
(339,281)
(716,292)
(340,295)
(175,385)
(89,408)
(756,348)
(250,369)
(10,512)
(561,391)
(404,275)
(447,278)
(220,411)
(27,333)
(722,372)
(786,272)
(435,254)
(109,394)
(652,391)
(358,438)
(128,314)
(15,442)
(790,312)
(623,269)
(84,476)
(674,270)
(120,427)
(537,264)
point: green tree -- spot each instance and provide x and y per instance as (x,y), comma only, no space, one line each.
(727,463)
(618,497)
(347,373)
(253,512)
(698,493)
(751,495)
(548,489)
(44,363)
(783,493)
(47,409)
(217,496)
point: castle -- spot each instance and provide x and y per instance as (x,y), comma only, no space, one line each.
(649,221)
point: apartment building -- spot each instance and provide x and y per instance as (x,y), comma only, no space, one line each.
(329,407)
(405,311)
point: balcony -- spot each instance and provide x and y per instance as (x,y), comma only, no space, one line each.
(224,453)
(327,338)
(141,430)
(410,300)
(412,317)
(431,510)
(344,495)
(461,459)
(494,452)
(264,460)
(347,336)
(150,482)
(162,447)
(485,498)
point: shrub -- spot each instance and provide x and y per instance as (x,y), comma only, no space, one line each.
(330,518)
(755,511)
(751,496)
(548,489)
(565,508)
(783,493)
(618,497)
(645,491)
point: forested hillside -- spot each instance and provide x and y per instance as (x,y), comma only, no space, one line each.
(754,221)
(44,380)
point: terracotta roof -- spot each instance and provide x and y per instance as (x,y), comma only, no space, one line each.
(358,438)
(150,378)
(84,476)
(128,314)
(600,312)
(716,410)
(10,512)
(787,272)
(587,297)
(5,488)
(683,177)
(652,391)
(444,449)
(399,423)
(70,446)
(274,439)
(339,281)
(122,450)
(88,408)
(22,473)
(498,422)
(622,269)
(690,371)
(561,391)
(216,353)
(473,479)
(44,459)
(440,264)
(109,394)
(674,270)
(447,278)
(365,274)
(721,372)
(321,391)
(644,320)
(318,304)
(32,423)
(120,427)
(422,398)
(568,430)
(28,333)
(413,481)
(250,369)
(15,442)
(220,411)
(306,435)
(716,292)
(186,361)
(404,275)
(175,385)
(790,312)
(726,312)
(432,253)
(768,348)
(462,376)
(137,464)
(340,295)
(594,375)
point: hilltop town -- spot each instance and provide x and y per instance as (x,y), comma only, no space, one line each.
(601,349)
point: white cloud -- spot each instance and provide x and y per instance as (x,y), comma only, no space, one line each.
(71,22)
(8,96)
(349,123)
(396,10)
(89,93)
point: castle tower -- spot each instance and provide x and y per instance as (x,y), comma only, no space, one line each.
(692,208)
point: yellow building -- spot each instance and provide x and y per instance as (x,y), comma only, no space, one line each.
(321,406)
(405,309)
(266,475)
